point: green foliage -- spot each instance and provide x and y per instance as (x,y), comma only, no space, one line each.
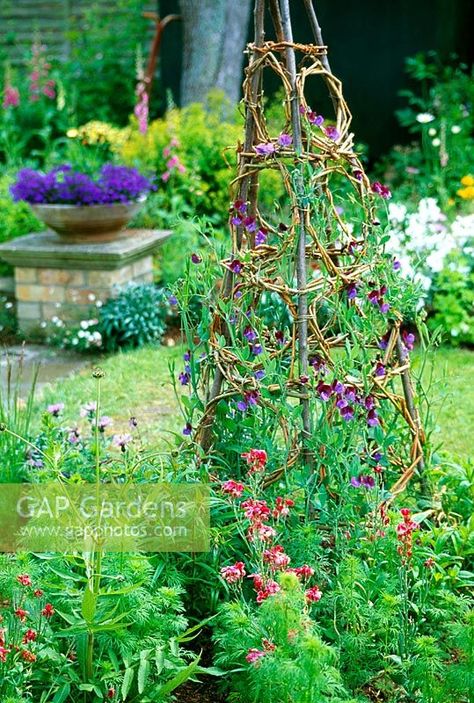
(137,316)
(100,73)
(17,218)
(452,299)
(294,665)
(439,116)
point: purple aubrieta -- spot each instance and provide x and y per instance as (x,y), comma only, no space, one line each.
(64,186)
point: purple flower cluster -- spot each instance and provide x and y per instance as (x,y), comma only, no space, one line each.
(240,218)
(347,399)
(63,186)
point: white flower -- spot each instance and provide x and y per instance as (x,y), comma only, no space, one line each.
(455,129)
(436,142)
(396,212)
(432,131)
(8,306)
(425,117)
(91,297)
(84,324)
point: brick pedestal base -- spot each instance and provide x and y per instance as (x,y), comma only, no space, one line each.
(53,278)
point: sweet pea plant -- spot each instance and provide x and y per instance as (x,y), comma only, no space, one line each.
(308,421)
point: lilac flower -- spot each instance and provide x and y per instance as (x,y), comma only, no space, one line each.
(187,429)
(380,369)
(332,133)
(352,291)
(236,266)
(315,119)
(122,441)
(261,236)
(195,258)
(265,149)
(104,422)
(250,334)
(285,139)
(55,409)
(257,349)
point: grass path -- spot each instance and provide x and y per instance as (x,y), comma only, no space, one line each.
(138,383)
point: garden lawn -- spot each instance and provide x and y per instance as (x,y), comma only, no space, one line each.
(137,383)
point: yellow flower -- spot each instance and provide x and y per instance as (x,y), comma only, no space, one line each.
(467,193)
(467,181)
(72,133)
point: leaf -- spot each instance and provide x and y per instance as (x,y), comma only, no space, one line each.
(89,604)
(127,683)
(143,670)
(62,693)
(179,679)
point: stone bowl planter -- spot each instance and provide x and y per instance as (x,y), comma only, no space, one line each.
(88,223)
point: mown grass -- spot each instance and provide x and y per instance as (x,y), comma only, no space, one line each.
(138,383)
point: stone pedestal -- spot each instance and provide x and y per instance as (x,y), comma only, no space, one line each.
(54,278)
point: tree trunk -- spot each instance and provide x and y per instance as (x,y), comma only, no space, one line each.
(215,32)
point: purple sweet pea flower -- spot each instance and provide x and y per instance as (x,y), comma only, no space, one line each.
(184,377)
(372,418)
(187,429)
(381,190)
(196,259)
(347,413)
(408,340)
(384,307)
(380,369)
(396,265)
(355,482)
(250,334)
(250,224)
(325,391)
(352,291)
(367,481)
(240,206)
(315,119)
(332,133)
(383,343)
(261,236)
(259,374)
(236,266)
(265,149)
(173,300)
(285,139)
(257,349)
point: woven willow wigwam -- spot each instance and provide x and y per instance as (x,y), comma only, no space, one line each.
(316,258)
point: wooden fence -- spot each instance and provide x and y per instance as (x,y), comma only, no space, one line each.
(51,20)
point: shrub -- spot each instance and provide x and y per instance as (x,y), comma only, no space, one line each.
(135,317)
(17,218)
